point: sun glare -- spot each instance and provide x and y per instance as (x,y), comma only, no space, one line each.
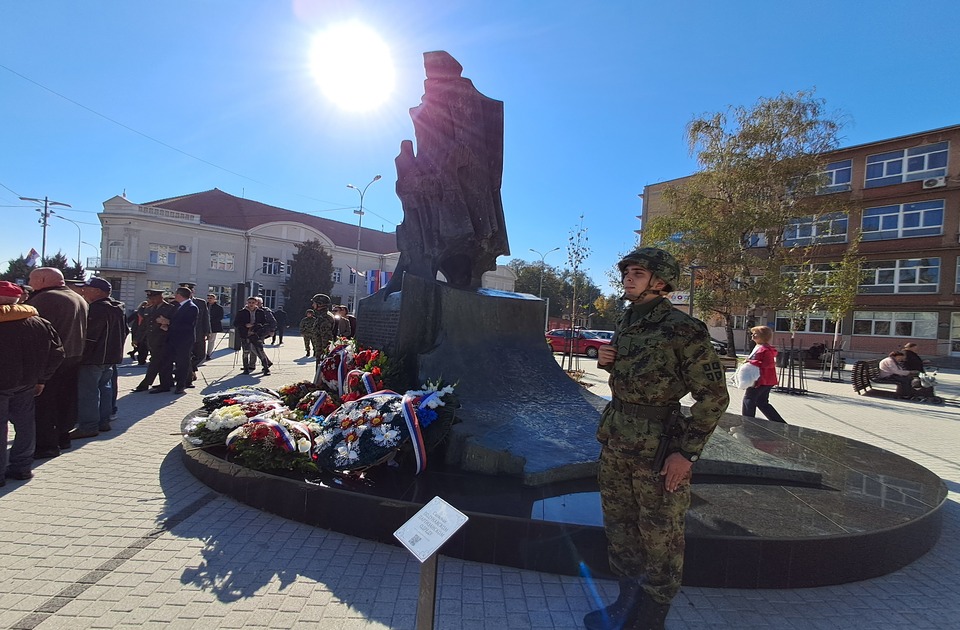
(352,66)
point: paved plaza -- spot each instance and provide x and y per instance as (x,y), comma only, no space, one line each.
(115,533)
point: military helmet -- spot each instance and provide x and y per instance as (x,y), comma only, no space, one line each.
(320,298)
(660,263)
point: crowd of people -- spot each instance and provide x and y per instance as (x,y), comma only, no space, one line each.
(67,337)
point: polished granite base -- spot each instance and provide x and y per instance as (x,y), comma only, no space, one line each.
(862,511)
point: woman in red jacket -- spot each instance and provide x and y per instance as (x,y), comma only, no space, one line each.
(764,356)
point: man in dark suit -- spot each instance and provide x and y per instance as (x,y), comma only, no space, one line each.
(216,323)
(181,336)
(202,327)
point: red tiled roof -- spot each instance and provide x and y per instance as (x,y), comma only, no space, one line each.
(216,207)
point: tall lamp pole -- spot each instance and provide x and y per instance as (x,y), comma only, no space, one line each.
(45,218)
(542,264)
(356,269)
(79,236)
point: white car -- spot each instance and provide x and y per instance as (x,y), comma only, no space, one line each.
(602,334)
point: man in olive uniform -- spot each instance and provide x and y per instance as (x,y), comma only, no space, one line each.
(308,331)
(658,355)
(154,335)
(326,328)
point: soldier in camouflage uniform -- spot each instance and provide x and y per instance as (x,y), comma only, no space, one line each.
(326,329)
(308,331)
(657,355)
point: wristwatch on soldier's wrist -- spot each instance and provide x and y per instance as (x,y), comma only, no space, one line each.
(691,457)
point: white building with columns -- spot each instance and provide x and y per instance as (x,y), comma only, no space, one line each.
(217,241)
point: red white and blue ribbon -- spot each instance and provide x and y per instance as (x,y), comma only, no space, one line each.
(286,440)
(366,378)
(318,405)
(416,436)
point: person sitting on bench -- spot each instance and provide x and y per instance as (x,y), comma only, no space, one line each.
(891,372)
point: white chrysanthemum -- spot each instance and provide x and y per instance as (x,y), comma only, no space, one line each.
(324,439)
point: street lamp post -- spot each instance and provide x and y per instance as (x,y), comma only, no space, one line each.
(356,269)
(542,264)
(79,235)
(45,218)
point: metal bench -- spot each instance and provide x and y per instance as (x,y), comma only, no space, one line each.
(866,374)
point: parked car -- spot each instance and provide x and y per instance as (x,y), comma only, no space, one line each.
(719,346)
(601,334)
(583,342)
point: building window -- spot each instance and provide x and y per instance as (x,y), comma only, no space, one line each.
(956,289)
(826,228)
(353,276)
(924,218)
(288,268)
(907,275)
(886,324)
(836,177)
(271,266)
(269,298)
(160,285)
(115,250)
(813,322)
(337,273)
(163,255)
(221,261)
(821,275)
(894,167)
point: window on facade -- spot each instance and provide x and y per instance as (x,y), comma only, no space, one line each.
(269,298)
(288,268)
(163,254)
(907,275)
(956,289)
(813,322)
(924,218)
(894,167)
(115,250)
(820,275)
(221,261)
(836,177)
(888,324)
(826,228)
(270,267)
(756,239)
(337,273)
(161,285)
(353,276)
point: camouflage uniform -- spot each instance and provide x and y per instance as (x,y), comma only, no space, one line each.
(308,330)
(326,327)
(662,354)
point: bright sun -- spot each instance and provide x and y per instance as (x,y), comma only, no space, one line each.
(352,66)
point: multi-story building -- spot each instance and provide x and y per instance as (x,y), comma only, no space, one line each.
(218,241)
(904,195)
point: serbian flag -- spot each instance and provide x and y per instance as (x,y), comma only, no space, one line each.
(376,280)
(32,258)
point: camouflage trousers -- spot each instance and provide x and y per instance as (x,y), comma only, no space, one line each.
(643,522)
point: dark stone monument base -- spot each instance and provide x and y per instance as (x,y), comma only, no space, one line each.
(521,415)
(852,512)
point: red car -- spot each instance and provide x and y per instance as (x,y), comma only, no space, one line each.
(583,342)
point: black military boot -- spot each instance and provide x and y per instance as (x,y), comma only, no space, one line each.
(651,614)
(620,612)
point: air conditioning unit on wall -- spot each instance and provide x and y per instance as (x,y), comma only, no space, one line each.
(183,249)
(934,182)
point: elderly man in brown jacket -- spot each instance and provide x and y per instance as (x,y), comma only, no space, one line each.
(56,408)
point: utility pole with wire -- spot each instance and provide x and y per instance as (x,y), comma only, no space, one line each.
(45,218)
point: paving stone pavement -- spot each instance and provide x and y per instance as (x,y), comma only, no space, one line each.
(115,533)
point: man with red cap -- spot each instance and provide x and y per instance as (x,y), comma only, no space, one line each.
(31,354)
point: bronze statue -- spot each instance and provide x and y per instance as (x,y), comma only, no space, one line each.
(450,189)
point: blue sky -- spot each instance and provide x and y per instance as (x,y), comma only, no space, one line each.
(161,99)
